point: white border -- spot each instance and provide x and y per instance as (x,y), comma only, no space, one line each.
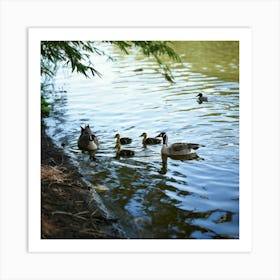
(262,16)
(243,35)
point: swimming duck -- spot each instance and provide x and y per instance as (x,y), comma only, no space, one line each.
(149,140)
(202,98)
(87,140)
(123,140)
(177,149)
(123,153)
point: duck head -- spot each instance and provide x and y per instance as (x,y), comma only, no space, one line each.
(144,134)
(162,134)
(86,130)
(164,137)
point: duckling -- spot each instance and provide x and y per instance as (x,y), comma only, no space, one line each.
(201,98)
(87,140)
(123,153)
(177,149)
(149,140)
(123,140)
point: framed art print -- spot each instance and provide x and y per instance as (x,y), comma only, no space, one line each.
(139,139)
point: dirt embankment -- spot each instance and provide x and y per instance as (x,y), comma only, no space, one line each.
(68,210)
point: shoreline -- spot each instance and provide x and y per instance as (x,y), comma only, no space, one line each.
(68,207)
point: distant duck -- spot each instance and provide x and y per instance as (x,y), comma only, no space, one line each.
(202,98)
(87,140)
(123,140)
(123,153)
(177,149)
(149,140)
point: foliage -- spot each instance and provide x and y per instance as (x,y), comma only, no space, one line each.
(45,109)
(77,54)
(156,49)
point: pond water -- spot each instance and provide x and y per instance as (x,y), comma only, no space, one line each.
(152,198)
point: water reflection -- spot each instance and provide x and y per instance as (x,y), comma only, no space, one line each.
(215,59)
(164,159)
(151,196)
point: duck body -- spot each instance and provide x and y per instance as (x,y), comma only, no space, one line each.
(148,140)
(202,98)
(124,152)
(123,140)
(177,149)
(87,140)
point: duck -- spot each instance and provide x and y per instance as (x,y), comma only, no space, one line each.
(123,140)
(87,140)
(148,140)
(123,153)
(202,98)
(177,149)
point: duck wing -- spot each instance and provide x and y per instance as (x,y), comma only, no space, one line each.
(152,141)
(194,146)
(125,140)
(177,147)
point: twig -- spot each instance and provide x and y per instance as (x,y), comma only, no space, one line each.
(69,214)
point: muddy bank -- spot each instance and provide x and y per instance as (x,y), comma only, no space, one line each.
(68,210)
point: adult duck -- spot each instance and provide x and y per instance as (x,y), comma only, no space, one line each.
(177,149)
(87,140)
(149,140)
